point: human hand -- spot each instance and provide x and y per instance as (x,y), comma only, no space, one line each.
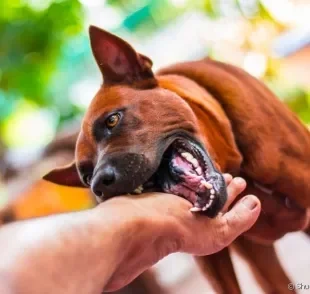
(162,224)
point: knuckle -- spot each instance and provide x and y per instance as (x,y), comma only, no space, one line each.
(234,221)
(233,188)
(222,234)
(228,229)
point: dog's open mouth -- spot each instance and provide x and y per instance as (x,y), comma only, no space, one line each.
(186,170)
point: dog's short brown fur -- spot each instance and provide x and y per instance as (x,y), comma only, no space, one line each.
(245,128)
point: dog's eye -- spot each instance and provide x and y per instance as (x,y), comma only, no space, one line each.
(112,120)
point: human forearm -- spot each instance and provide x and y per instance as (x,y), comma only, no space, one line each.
(69,253)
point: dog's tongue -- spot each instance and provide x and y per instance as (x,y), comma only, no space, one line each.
(192,181)
(182,163)
(191,178)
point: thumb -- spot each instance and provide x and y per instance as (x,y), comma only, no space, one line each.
(240,218)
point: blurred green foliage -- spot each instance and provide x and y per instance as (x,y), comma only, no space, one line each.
(146,16)
(297,97)
(32,40)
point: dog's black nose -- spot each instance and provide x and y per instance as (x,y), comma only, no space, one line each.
(103,178)
(107,175)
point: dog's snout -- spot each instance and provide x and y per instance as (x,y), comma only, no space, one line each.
(107,175)
(119,174)
(103,178)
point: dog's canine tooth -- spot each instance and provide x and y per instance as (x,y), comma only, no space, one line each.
(207,185)
(212,196)
(212,191)
(195,209)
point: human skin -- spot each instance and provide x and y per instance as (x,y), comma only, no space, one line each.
(108,246)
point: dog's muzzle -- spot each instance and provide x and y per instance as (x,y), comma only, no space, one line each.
(118,174)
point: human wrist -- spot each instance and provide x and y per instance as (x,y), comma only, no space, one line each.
(142,231)
(117,221)
(139,225)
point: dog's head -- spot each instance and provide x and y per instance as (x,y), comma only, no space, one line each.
(137,136)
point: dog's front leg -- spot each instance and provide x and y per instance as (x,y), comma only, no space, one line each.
(219,271)
(265,265)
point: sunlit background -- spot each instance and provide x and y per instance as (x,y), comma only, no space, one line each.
(48,76)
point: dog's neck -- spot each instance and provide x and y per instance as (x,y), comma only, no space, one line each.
(214,126)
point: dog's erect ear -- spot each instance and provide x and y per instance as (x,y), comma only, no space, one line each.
(66,176)
(117,60)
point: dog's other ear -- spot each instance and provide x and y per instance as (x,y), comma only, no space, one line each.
(65,176)
(117,60)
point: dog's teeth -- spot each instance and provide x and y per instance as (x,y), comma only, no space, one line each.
(195,209)
(212,191)
(189,157)
(138,190)
(194,162)
(99,200)
(199,170)
(185,154)
(212,196)
(207,185)
(206,206)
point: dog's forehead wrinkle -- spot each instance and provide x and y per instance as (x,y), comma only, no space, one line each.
(150,100)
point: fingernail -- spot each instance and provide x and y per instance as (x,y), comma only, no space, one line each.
(239,180)
(249,202)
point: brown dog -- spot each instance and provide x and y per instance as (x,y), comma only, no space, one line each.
(176,131)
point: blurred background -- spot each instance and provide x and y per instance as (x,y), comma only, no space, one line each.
(48,75)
